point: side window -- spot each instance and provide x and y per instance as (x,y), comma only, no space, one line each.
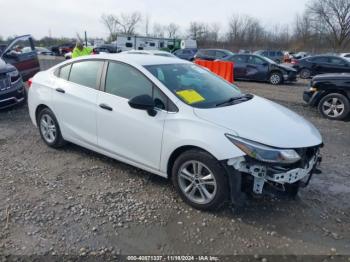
(336,61)
(272,53)
(239,59)
(265,53)
(124,81)
(86,73)
(321,59)
(256,60)
(64,72)
(220,54)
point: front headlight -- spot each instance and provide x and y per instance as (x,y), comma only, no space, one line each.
(14,75)
(265,153)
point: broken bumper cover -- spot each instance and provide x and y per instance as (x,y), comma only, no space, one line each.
(264,173)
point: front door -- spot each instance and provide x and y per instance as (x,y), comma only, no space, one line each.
(257,68)
(21,54)
(130,134)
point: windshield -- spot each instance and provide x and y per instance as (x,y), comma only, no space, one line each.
(194,85)
(267,59)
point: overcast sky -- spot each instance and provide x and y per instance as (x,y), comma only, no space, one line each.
(66,17)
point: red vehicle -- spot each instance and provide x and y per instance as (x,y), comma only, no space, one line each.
(24,59)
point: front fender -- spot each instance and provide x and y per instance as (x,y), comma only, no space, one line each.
(209,137)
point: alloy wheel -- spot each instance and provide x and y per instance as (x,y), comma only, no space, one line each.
(275,79)
(48,128)
(333,107)
(197,182)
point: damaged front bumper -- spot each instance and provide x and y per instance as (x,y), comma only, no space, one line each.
(275,175)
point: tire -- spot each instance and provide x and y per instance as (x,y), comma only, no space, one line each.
(276,78)
(208,188)
(305,73)
(292,190)
(50,132)
(334,106)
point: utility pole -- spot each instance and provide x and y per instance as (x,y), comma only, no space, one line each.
(85,38)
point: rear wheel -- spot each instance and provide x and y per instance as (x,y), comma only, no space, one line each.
(334,106)
(200,180)
(49,129)
(305,73)
(276,78)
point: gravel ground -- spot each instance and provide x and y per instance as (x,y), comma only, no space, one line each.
(74,201)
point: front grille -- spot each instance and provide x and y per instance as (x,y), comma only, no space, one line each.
(5,82)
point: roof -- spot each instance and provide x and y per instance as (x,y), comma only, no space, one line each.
(138,59)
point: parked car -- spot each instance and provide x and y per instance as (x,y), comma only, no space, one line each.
(331,94)
(38,50)
(27,63)
(259,68)
(321,64)
(150,52)
(106,48)
(186,54)
(12,90)
(175,119)
(276,56)
(345,55)
(300,55)
(212,54)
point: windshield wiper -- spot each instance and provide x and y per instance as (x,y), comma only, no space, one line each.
(234,100)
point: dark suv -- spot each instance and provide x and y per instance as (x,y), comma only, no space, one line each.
(331,94)
(11,86)
(212,54)
(21,54)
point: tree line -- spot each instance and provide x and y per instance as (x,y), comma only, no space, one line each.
(324,26)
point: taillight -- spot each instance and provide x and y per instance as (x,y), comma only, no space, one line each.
(295,62)
(30,81)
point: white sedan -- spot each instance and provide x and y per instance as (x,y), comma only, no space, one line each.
(177,120)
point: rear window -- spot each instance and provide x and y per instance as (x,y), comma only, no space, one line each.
(64,72)
(86,73)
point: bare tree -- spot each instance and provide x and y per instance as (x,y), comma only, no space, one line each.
(331,18)
(158,30)
(109,21)
(172,30)
(124,23)
(127,22)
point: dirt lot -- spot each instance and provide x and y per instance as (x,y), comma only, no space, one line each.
(74,201)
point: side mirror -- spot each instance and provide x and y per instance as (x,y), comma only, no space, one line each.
(143,102)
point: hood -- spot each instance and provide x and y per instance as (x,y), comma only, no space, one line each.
(265,122)
(326,77)
(287,68)
(4,68)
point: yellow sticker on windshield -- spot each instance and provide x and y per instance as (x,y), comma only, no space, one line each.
(190,96)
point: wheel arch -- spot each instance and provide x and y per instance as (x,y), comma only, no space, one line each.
(177,152)
(331,91)
(38,109)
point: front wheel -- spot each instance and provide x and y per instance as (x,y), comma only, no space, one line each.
(200,180)
(276,78)
(334,106)
(305,73)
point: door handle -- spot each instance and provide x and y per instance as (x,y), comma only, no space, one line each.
(60,90)
(106,107)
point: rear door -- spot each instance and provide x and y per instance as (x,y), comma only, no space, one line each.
(21,53)
(240,66)
(75,98)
